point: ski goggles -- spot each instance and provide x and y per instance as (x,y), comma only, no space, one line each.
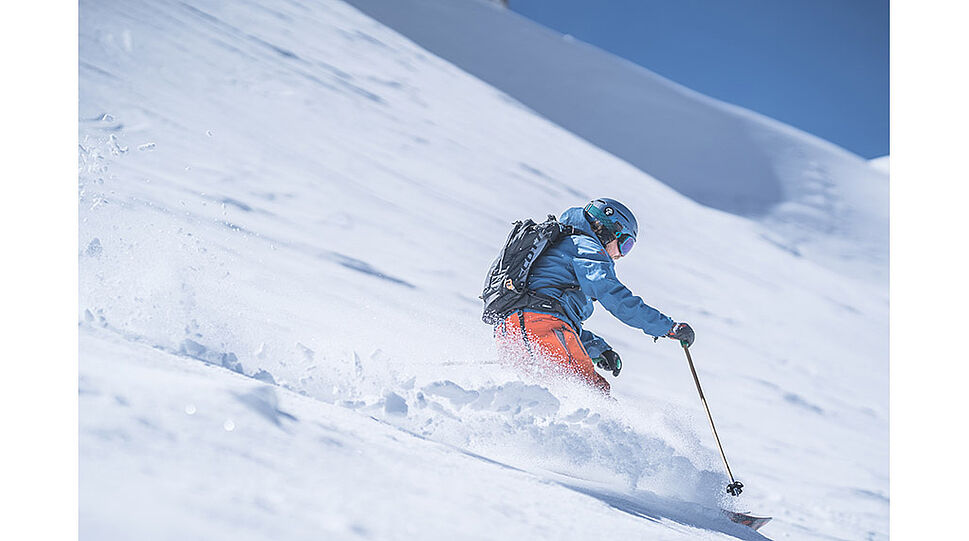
(625,240)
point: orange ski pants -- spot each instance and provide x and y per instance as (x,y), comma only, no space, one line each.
(542,337)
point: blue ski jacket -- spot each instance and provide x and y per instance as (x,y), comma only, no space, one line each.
(577,271)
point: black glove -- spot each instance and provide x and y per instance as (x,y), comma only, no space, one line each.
(609,360)
(684,333)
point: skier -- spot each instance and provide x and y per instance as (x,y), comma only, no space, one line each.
(572,272)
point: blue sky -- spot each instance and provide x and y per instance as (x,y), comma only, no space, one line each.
(819,65)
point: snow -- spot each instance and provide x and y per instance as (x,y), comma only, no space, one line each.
(222,457)
(881,163)
(722,156)
(286,211)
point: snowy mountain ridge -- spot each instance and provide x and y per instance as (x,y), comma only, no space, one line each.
(295,193)
(815,198)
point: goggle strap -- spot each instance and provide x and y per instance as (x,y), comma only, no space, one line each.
(625,245)
(606,221)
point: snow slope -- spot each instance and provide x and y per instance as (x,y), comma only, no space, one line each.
(722,156)
(286,212)
(880,163)
(219,457)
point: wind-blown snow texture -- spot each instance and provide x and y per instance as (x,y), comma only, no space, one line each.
(286,212)
(722,156)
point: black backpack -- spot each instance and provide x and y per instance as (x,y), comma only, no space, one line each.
(505,288)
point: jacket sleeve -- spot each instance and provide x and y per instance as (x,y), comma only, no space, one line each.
(596,274)
(594,345)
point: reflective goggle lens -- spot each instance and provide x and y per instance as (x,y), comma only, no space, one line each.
(626,243)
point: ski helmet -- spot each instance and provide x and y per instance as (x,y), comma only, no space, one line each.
(617,222)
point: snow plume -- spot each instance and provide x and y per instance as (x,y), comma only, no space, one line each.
(536,423)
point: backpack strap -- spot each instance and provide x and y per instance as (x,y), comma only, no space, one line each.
(521,324)
(571,230)
(544,302)
(567,231)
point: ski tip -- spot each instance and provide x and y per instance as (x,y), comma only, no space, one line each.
(746,519)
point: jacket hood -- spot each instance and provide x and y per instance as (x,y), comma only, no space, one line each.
(576,217)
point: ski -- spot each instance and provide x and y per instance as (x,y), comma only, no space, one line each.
(750,521)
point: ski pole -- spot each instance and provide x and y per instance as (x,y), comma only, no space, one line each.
(735,487)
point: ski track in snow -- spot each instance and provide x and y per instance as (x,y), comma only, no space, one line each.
(286,211)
